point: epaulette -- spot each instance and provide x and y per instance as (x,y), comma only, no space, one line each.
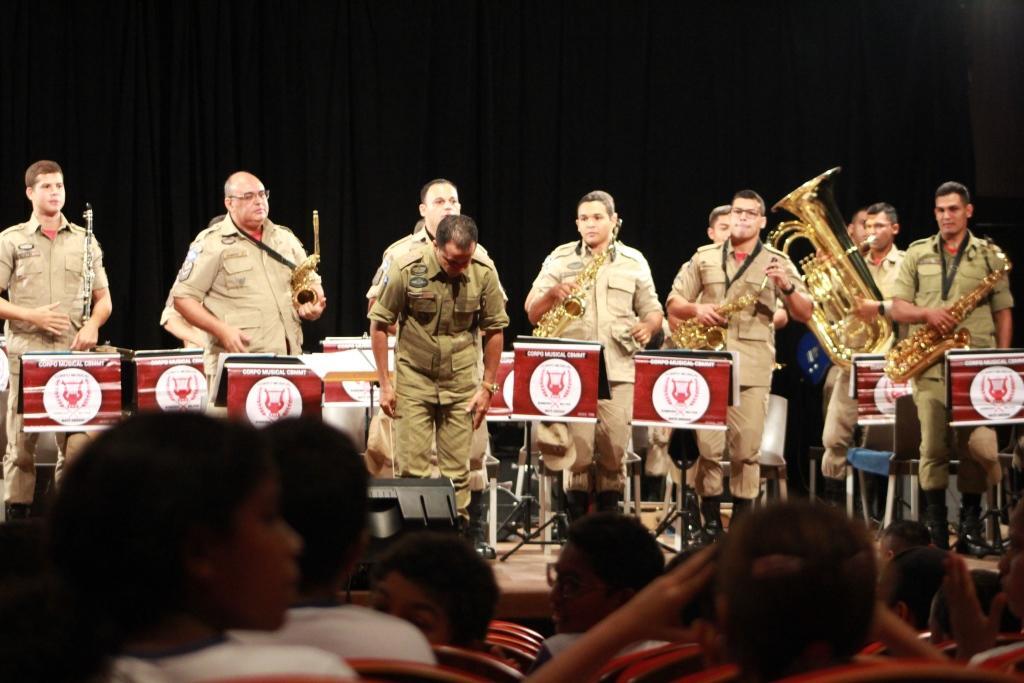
(76,228)
(708,247)
(409,259)
(399,242)
(922,242)
(563,249)
(630,252)
(14,228)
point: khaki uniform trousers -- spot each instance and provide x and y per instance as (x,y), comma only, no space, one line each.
(419,424)
(20,455)
(603,444)
(975,447)
(840,421)
(381,458)
(745,424)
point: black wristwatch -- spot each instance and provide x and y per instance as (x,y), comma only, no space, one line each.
(787,292)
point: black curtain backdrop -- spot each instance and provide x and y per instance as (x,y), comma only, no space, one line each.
(348,107)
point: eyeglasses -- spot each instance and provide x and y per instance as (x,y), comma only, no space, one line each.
(753,213)
(249,196)
(569,586)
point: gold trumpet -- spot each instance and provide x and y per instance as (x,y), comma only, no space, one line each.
(304,277)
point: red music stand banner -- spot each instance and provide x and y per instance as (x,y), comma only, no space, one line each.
(272,390)
(70,392)
(5,366)
(348,370)
(683,389)
(170,381)
(985,387)
(556,382)
(874,392)
(501,402)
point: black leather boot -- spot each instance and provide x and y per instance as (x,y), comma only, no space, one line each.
(576,504)
(970,534)
(711,511)
(17,511)
(834,493)
(608,501)
(935,520)
(475,528)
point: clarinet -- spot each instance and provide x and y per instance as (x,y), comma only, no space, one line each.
(87,272)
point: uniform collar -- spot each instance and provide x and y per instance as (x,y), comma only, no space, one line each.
(583,250)
(32,225)
(229,227)
(972,245)
(891,258)
(730,250)
(422,235)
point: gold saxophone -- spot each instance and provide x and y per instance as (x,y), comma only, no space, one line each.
(573,306)
(913,355)
(304,276)
(692,335)
(836,275)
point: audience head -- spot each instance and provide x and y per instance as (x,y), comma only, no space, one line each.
(323,498)
(175,516)
(986,587)
(796,588)
(437,582)
(910,581)
(607,558)
(900,535)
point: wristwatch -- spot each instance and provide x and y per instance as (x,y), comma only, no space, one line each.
(787,292)
(492,387)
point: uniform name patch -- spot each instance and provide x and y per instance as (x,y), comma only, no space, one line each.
(27,246)
(575,265)
(418,269)
(229,239)
(418,281)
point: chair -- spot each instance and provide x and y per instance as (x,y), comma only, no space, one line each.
(717,674)
(668,666)
(523,642)
(902,461)
(501,626)
(1011,662)
(773,446)
(476,663)
(898,670)
(634,470)
(610,672)
(514,651)
(397,671)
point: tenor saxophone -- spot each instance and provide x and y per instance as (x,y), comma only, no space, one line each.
(913,355)
(557,318)
(692,335)
(304,276)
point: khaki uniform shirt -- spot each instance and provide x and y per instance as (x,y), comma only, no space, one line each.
(622,295)
(750,332)
(884,274)
(920,282)
(419,240)
(37,271)
(244,286)
(439,320)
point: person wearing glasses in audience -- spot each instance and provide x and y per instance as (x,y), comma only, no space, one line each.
(235,285)
(722,273)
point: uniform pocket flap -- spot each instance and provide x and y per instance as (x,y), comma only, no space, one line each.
(624,284)
(237,265)
(244,319)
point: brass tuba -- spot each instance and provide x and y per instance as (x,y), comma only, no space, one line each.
(304,276)
(836,275)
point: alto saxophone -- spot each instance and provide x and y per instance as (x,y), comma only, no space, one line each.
(692,335)
(304,276)
(88,273)
(573,306)
(913,355)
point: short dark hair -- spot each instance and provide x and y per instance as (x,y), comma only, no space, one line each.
(750,194)
(913,577)
(853,216)
(431,183)
(598,196)
(323,494)
(884,207)
(953,187)
(907,533)
(459,229)
(619,549)
(717,212)
(447,568)
(795,573)
(39,168)
(127,505)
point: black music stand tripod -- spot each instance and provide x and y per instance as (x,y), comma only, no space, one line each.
(685,510)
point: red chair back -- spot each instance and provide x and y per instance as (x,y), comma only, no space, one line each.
(610,671)
(397,671)
(903,670)
(477,664)
(669,666)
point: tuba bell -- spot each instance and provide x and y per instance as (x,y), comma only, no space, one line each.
(835,275)
(304,276)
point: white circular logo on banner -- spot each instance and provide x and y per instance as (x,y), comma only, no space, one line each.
(72,397)
(997,392)
(886,393)
(272,399)
(359,391)
(681,395)
(181,387)
(5,371)
(507,387)
(555,387)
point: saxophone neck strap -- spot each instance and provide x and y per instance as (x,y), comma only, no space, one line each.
(949,272)
(273,253)
(743,268)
